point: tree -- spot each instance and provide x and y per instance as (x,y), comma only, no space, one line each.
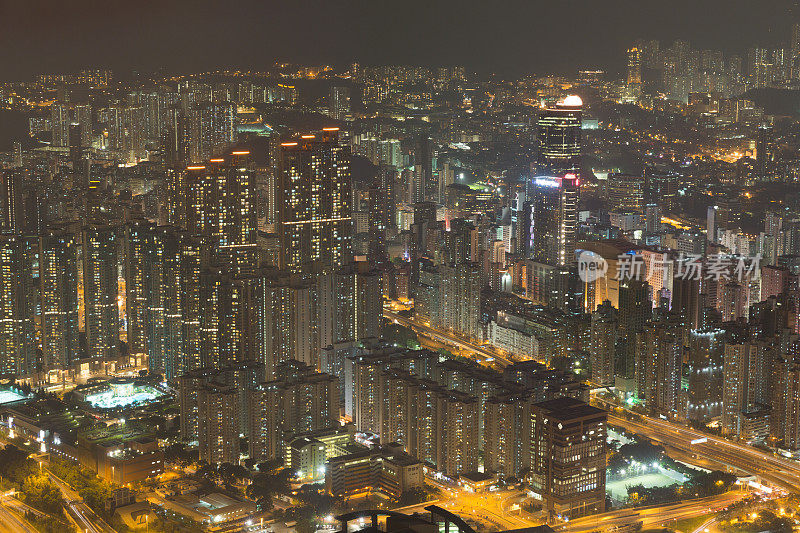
(15,464)
(266,484)
(42,494)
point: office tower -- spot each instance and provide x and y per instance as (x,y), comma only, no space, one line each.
(659,367)
(217,201)
(633,86)
(602,343)
(652,218)
(560,137)
(218,423)
(58,275)
(100,291)
(554,220)
(212,130)
(298,400)
(18,298)
(686,300)
(661,189)
(712,224)
(314,203)
(568,455)
(339,101)
(626,192)
(11,207)
(705,362)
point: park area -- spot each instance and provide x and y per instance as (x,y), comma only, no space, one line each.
(641,473)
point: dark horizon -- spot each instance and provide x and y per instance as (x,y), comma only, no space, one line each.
(512,38)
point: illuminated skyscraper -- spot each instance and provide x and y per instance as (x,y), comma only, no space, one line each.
(139,238)
(63,115)
(603,343)
(340,102)
(100,291)
(568,456)
(218,427)
(212,130)
(18,297)
(314,203)
(58,274)
(633,86)
(217,201)
(554,219)
(297,400)
(560,137)
(11,200)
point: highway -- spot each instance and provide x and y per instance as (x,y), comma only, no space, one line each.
(771,468)
(653,517)
(11,522)
(447,338)
(79,511)
(492,507)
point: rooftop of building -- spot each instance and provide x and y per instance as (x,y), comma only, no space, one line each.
(566,408)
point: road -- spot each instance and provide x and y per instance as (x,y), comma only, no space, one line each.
(490,507)
(773,469)
(447,338)
(11,522)
(653,516)
(78,510)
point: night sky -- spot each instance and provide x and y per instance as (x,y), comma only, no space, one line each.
(507,37)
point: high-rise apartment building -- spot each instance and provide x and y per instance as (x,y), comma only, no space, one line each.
(218,423)
(339,102)
(58,275)
(18,298)
(217,201)
(101,290)
(298,400)
(314,203)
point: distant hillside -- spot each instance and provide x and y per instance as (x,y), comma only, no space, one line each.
(776,101)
